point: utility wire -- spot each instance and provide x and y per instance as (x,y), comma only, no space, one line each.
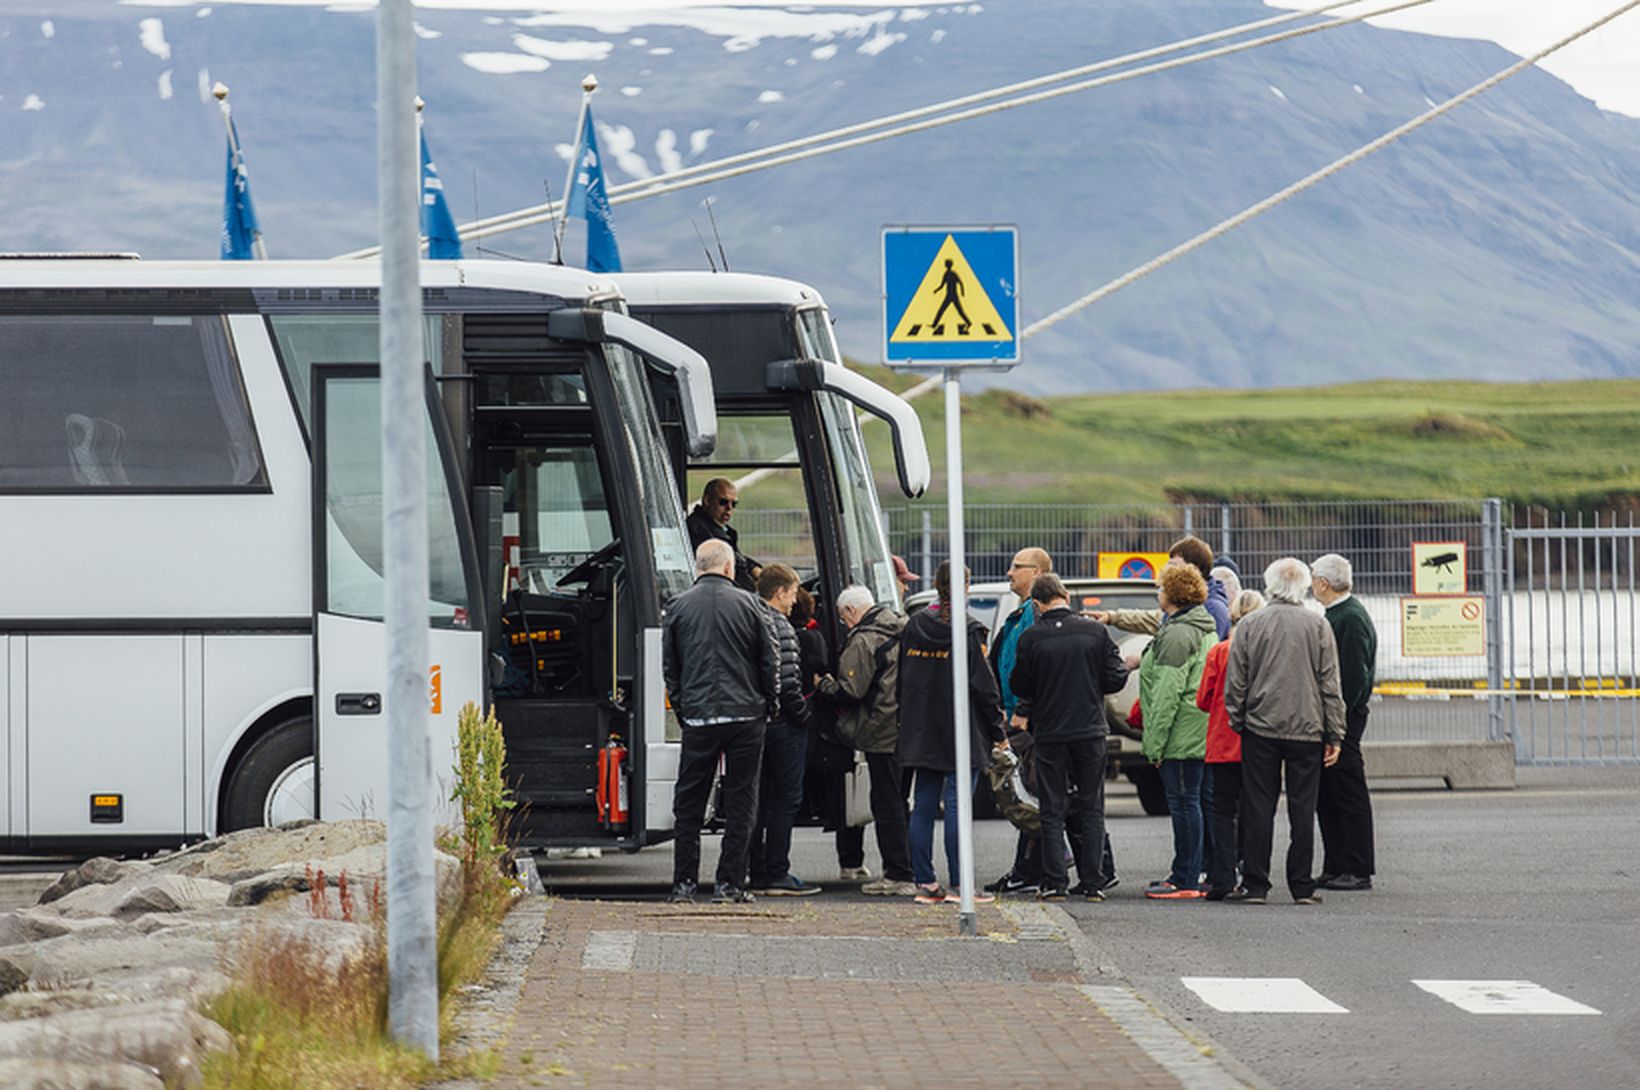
(1307,182)
(720,170)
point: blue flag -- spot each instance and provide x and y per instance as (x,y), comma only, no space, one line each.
(588,198)
(239,226)
(443,242)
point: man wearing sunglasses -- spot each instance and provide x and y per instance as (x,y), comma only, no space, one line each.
(710,521)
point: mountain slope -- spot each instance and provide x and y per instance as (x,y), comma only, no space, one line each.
(1501,242)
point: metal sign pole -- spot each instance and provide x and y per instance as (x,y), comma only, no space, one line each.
(966,923)
(412,914)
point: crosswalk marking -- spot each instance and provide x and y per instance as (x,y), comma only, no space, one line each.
(1261,995)
(1503,997)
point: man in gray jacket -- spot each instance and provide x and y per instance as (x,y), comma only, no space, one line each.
(868,718)
(1284,699)
(722,669)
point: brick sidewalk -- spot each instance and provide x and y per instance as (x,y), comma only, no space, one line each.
(808,993)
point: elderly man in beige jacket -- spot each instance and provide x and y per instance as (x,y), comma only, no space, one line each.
(1284,699)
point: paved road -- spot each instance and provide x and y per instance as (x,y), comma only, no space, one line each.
(1541,884)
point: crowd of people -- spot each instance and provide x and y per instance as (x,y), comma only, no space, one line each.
(1239,691)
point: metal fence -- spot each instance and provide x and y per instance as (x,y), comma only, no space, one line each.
(1560,673)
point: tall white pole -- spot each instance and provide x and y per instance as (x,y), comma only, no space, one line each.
(412,919)
(966,921)
(588,86)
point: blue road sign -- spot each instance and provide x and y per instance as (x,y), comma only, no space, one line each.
(951,295)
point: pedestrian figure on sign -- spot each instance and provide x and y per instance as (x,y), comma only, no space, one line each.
(951,285)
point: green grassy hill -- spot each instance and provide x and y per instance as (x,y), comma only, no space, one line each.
(1567,445)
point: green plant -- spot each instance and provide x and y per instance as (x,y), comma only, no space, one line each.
(481,789)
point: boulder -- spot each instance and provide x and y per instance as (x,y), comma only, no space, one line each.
(21,927)
(39,1004)
(89,959)
(173,893)
(100,871)
(250,852)
(168,1035)
(65,1075)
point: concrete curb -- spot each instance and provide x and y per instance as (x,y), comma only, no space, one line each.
(488,1008)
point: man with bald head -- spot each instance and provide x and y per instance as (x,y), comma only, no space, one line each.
(709,521)
(722,668)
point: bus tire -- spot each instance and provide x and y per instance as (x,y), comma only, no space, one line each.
(276,763)
(1147,780)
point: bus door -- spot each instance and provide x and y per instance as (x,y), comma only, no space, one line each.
(350,644)
(593,547)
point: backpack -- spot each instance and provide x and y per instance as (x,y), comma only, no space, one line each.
(1012,776)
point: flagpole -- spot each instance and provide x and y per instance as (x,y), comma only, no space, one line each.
(220,92)
(589,85)
(424,240)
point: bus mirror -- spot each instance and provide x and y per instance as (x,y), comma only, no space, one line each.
(795,375)
(581,324)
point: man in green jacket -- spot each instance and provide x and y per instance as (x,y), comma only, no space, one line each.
(1344,805)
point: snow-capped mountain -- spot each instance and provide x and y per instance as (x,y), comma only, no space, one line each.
(1502,241)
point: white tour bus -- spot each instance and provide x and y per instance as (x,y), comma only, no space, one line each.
(190,527)
(788,427)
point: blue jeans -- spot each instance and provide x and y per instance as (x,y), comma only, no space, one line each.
(785,749)
(1183,782)
(930,789)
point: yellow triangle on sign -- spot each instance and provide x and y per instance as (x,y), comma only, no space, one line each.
(950,306)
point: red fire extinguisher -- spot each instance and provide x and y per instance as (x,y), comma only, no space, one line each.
(611,795)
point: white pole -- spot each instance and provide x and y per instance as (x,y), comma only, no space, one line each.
(966,922)
(258,247)
(412,915)
(588,86)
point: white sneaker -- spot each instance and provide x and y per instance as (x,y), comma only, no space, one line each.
(887,887)
(853,874)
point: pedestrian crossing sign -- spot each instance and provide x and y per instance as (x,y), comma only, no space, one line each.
(951,296)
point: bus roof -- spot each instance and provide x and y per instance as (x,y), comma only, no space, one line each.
(524,276)
(706,288)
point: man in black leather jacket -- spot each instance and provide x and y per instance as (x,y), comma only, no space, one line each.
(722,670)
(785,748)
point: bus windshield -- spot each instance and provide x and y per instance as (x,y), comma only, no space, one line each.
(662,510)
(868,556)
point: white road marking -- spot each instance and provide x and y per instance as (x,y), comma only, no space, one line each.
(611,951)
(1503,997)
(1261,995)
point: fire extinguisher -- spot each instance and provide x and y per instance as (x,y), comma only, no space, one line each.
(611,795)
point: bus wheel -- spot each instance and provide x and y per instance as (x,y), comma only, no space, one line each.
(1147,780)
(274,781)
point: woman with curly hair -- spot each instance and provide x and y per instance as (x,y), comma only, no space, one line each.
(1175,731)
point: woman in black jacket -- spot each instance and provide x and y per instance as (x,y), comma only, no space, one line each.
(927,746)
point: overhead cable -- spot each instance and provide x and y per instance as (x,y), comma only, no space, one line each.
(1253,211)
(765,158)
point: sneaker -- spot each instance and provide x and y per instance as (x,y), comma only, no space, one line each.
(683,893)
(1346,883)
(1218,894)
(1246,897)
(1312,899)
(1167,891)
(789,886)
(933,894)
(888,887)
(1009,884)
(953,896)
(1052,893)
(1110,883)
(1088,891)
(725,894)
(853,874)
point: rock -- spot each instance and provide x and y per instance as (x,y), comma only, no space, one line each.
(100,871)
(89,901)
(21,927)
(173,893)
(12,977)
(250,852)
(39,1004)
(90,959)
(168,1036)
(258,888)
(64,1075)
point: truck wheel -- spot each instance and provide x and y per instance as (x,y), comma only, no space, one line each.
(273,783)
(1147,780)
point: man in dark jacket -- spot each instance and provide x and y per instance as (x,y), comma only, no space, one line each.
(1026,873)
(709,521)
(1344,805)
(1065,666)
(722,670)
(864,689)
(785,747)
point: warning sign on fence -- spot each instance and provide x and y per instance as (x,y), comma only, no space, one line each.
(1443,627)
